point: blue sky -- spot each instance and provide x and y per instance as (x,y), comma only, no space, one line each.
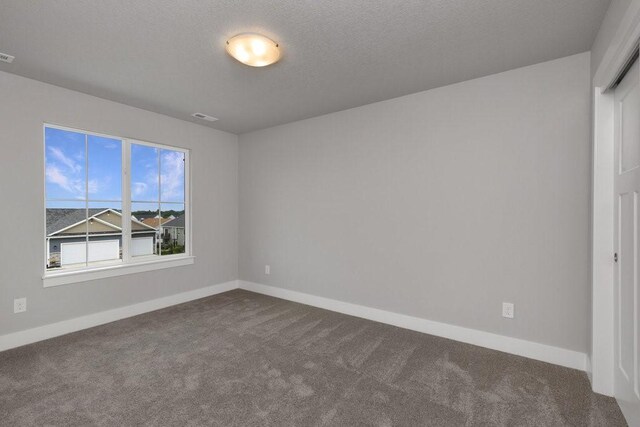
(145,178)
(66,162)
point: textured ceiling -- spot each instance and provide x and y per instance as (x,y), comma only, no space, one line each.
(168,56)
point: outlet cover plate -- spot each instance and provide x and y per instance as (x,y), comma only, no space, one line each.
(508,310)
(19,305)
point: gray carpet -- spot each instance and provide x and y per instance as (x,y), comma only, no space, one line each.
(243,359)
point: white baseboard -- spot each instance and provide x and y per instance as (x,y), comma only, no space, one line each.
(40,333)
(543,352)
(546,353)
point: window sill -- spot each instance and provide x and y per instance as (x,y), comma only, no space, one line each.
(67,277)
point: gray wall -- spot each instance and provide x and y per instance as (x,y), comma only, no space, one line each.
(25,105)
(440,204)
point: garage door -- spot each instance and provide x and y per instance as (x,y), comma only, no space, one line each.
(141,246)
(75,253)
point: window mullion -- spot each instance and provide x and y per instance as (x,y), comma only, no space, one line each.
(158,235)
(187,203)
(126,200)
(86,199)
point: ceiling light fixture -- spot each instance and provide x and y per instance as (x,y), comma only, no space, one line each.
(253,49)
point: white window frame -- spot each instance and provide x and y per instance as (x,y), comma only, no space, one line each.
(128,264)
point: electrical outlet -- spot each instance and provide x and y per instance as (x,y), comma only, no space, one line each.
(267,269)
(508,310)
(19,305)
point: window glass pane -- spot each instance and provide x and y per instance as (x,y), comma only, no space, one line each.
(105,233)
(173,229)
(65,159)
(66,234)
(105,168)
(84,210)
(172,176)
(145,173)
(145,229)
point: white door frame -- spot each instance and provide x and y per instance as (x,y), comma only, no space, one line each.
(602,274)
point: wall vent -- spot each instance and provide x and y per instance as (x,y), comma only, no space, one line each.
(6,58)
(204,117)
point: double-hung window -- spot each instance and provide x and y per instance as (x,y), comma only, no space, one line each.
(112,205)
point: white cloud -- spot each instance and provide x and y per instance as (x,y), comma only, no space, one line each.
(59,155)
(139,188)
(92,188)
(172,178)
(67,173)
(55,176)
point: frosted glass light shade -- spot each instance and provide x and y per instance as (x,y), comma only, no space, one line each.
(254,50)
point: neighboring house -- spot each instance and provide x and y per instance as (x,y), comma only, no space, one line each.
(173,231)
(66,236)
(155,222)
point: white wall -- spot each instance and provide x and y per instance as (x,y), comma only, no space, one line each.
(25,105)
(440,204)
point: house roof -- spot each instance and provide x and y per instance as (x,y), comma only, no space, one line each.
(155,222)
(59,218)
(176,222)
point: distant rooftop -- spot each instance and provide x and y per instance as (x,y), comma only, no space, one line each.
(176,222)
